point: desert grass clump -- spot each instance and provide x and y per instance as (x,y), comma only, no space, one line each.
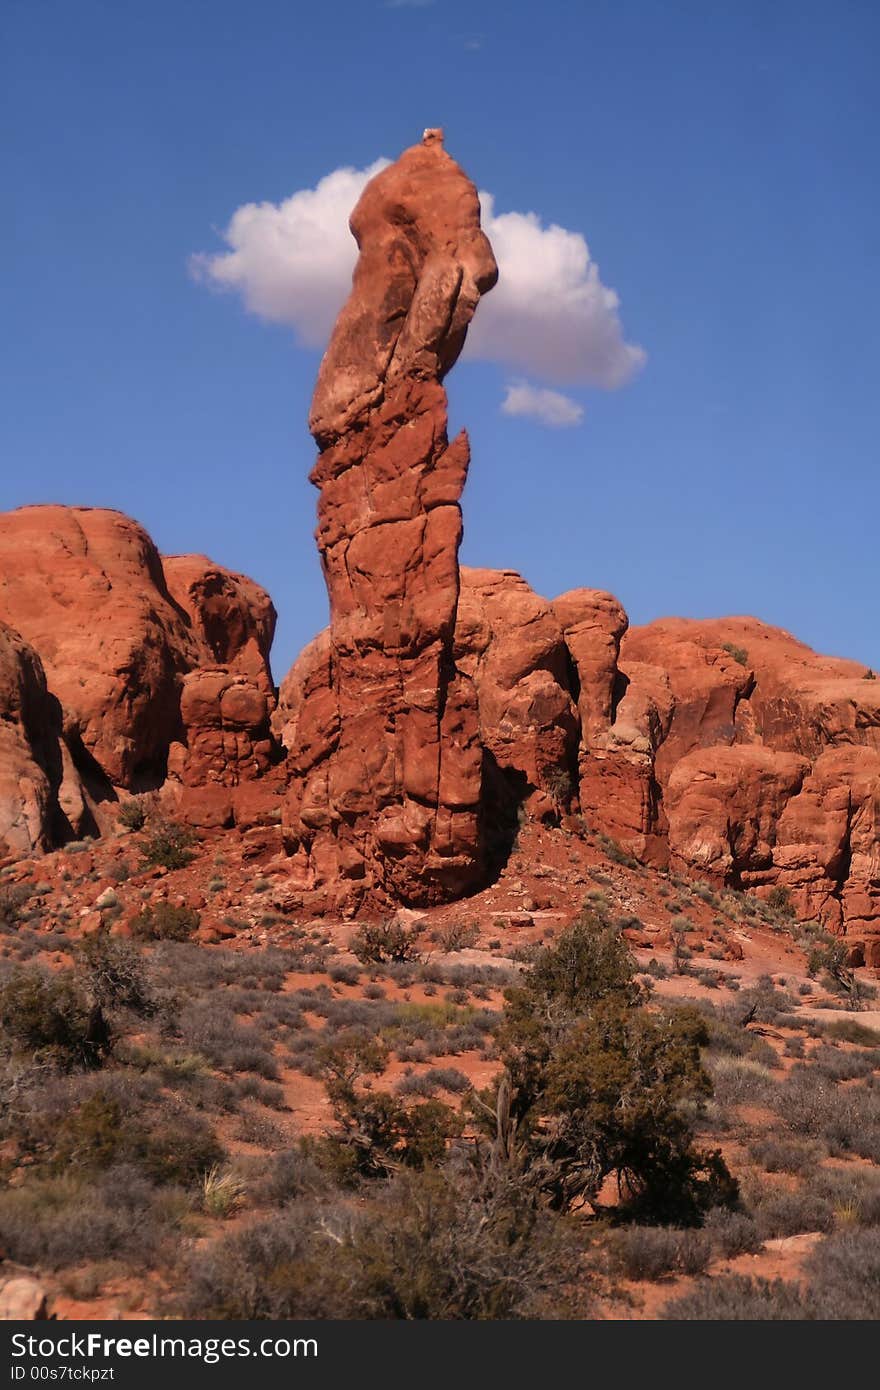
(223,1192)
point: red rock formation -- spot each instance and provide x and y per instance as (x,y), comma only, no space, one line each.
(226,702)
(232,616)
(510,642)
(752,759)
(30,761)
(385,792)
(85,588)
(148,676)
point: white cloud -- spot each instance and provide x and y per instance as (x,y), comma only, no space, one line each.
(291,262)
(549,316)
(538,403)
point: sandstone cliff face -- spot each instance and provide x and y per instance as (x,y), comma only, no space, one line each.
(152,669)
(85,588)
(30,759)
(735,752)
(387,765)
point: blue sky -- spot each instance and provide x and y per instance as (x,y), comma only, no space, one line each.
(719,158)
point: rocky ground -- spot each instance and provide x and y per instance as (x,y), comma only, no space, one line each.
(229,1063)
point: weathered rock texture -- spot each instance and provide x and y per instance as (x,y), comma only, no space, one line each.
(386,762)
(752,761)
(150,670)
(30,758)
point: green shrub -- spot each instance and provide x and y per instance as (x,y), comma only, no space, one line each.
(375,943)
(739,654)
(168,845)
(51,1014)
(165,922)
(594,1085)
(166,1143)
(132,814)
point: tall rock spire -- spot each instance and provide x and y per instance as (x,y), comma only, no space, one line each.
(387,763)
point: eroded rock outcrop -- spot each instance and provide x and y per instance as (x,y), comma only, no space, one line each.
(30,758)
(387,769)
(735,752)
(85,589)
(156,673)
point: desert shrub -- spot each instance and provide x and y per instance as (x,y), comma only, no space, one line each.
(423,1247)
(115,974)
(286,1176)
(132,814)
(779,901)
(457,936)
(51,1014)
(739,654)
(430,1082)
(56,1222)
(657,970)
(782,1155)
(739,1298)
(741,1080)
(846,1118)
(594,1085)
(344,974)
(838,1065)
(165,1142)
(777,1212)
(650,1252)
(168,844)
(851,1031)
(375,943)
(12,901)
(844,1276)
(165,922)
(206,1026)
(254,1128)
(446,1247)
(267,1271)
(732,1233)
(185,966)
(377,1132)
(615,851)
(853,1194)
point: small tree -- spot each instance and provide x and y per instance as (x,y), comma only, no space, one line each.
(594,1084)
